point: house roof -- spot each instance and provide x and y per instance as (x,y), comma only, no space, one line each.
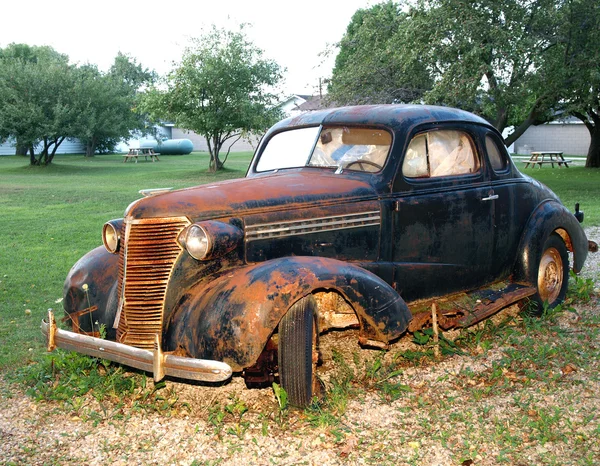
(315,102)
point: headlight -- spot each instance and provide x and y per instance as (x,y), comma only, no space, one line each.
(111,235)
(197,242)
(210,239)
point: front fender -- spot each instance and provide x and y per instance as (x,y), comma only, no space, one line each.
(549,217)
(232,318)
(99,270)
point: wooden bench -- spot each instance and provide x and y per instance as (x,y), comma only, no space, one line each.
(135,153)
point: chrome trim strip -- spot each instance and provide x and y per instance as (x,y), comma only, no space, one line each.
(315,225)
(258,225)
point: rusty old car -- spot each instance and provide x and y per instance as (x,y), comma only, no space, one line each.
(356,217)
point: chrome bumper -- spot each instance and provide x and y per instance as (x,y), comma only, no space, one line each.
(156,361)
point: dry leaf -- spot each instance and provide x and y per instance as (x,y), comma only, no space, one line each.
(351,444)
(568,369)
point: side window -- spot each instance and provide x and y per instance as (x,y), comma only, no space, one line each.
(497,160)
(440,153)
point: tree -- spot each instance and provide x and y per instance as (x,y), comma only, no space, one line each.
(370,68)
(36,104)
(578,61)
(486,56)
(45,101)
(106,103)
(23,53)
(490,56)
(220,90)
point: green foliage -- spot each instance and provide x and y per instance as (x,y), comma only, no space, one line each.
(281,396)
(106,102)
(231,413)
(425,338)
(580,289)
(35,91)
(70,378)
(45,101)
(577,61)
(514,62)
(369,68)
(221,90)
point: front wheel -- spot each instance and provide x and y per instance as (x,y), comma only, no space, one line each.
(552,278)
(298,352)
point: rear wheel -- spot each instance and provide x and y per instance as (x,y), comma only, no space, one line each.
(552,278)
(298,352)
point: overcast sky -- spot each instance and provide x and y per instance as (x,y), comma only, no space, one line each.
(291,33)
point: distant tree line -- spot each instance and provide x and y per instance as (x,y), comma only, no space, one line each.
(516,63)
(45,100)
(222,89)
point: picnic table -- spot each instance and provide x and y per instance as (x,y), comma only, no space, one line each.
(549,156)
(134,153)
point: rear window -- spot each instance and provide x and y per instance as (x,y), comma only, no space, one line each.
(440,153)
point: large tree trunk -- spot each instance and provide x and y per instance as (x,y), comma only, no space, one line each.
(214,149)
(32,159)
(593,155)
(90,147)
(21,149)
(591,120)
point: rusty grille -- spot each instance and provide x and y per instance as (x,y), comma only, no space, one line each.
(145,266)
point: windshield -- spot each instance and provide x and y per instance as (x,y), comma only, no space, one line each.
(340,147)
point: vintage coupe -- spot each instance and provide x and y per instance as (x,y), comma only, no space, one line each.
(351,217)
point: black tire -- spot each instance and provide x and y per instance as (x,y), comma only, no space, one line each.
(298,352)
(552,274)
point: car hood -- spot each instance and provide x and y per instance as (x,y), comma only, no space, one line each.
(240,197)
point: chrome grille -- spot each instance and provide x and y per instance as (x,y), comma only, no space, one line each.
(146,262)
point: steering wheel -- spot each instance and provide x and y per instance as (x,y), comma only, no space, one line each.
(366,162)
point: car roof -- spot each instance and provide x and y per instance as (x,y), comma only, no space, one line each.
(392,116)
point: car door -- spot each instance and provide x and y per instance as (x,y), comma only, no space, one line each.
(443,215)
(509,217)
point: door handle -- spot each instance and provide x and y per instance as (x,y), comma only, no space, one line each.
(490,198)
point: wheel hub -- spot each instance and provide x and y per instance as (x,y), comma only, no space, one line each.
(550,275)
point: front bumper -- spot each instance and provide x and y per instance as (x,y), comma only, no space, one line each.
(156,361)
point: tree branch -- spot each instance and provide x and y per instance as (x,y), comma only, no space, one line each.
(230,146)
(531,118)
(584,119)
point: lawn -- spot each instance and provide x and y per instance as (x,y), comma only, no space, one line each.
(575,184)
(51,216)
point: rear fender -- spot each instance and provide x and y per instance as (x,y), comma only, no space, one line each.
(549,217)
(232,318)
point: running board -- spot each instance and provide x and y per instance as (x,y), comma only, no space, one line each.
(466,309)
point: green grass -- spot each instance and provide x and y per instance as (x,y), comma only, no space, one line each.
(574,184)
(51,216)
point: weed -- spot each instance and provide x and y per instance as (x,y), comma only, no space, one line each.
(216,417)
(379,376)
(233,412)
(281,396)
(282,404)
(580,289)
(73,380)
(236,409)
(425,338)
